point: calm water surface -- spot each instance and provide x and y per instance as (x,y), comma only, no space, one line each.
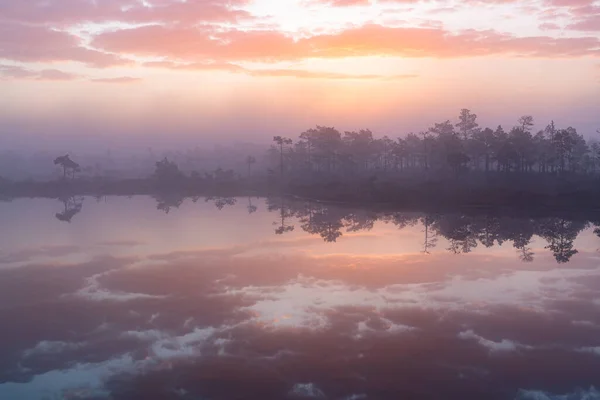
(143,298)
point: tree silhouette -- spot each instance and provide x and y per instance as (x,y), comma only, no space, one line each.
(249,161)
(282,143)
(563,144)
(458,161)
(167,171)
(483,144)
(445,148)
(526,122)
(67,164)
(324,145)
(467,123)
(359,148)
(521,144)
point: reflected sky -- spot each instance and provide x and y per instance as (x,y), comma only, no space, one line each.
(272,298)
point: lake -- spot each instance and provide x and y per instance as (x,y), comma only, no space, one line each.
(252,298)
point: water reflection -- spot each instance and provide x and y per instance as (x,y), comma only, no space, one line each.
(251,207)
(72,207)
(349,304)
(222,202)
(463,232)
(168,201)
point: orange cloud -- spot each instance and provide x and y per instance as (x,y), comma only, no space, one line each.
(371,40)
(293,73)
(122,79)
(199,30)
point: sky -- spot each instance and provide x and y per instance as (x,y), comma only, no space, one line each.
(211,70)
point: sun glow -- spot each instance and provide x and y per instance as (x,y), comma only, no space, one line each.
(377,63)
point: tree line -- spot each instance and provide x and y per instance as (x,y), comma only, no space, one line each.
(446,146)
(451,163)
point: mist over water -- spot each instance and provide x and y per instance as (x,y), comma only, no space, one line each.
(220,298)
(299,199)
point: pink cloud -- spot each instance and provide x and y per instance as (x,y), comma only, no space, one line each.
(548,26)
(27,43)
(584,14)
(589,23)
(14,72)
(569,3)
(17,72)
(340,3)
(56,75)
(11,72)
(69,12)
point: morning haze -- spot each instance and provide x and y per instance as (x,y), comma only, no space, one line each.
(299,199)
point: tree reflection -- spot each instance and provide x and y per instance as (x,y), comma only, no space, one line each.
(324,221)
(168,201)
(285,213)
(431,239)
(488,231)
(560,235)
(72,207)
(460,232)
(361,220)
(327,225)
(525,254)
(251,207)
(221,202)
(463,232)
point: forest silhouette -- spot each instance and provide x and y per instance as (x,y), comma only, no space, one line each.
(449,164)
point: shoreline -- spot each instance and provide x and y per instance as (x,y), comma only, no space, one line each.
(441,198)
